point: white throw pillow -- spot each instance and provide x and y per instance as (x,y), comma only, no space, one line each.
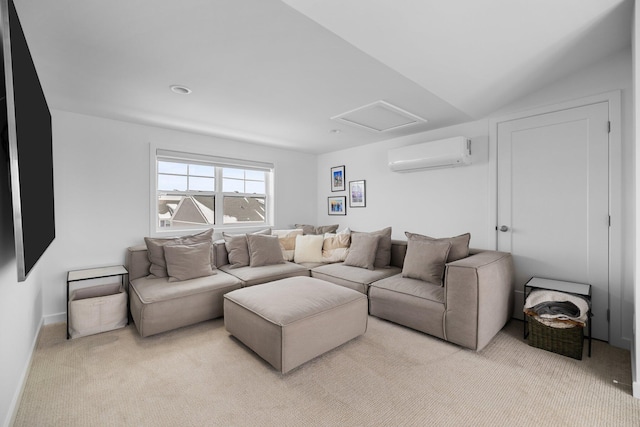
(308,248)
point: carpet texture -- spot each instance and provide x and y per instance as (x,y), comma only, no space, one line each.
(390,376)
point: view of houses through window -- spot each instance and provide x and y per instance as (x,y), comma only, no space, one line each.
(195,194)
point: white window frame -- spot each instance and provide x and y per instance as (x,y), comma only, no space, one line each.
(157,153)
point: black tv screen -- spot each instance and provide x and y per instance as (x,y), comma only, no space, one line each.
(27,134)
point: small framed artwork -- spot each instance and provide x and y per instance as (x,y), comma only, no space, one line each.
(337,178)
(357,194)
(337,205)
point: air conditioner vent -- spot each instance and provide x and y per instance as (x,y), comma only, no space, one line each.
(444,153)
(379,116)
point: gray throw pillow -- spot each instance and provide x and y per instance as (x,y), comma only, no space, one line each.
(459,244)
(425,260)
(155,249)
(237,249)
(321,229)
(383,254)
(186,262)
(264,250)
(362,252)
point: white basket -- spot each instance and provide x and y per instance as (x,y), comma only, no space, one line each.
(97,309)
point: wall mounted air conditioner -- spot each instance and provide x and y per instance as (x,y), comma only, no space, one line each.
(443,153)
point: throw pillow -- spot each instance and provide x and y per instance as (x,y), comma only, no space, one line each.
(155,249)
(237,249)
(308,248)
(459,244)
(287,241)
(362,252)
(186,262)
(264,250)
(425,260)
(336,246)
(383,255)
(321,229)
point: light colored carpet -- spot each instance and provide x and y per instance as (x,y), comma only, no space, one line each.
(391,376)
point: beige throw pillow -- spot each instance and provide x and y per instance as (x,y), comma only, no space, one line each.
(459,244)
(155,249)
(362,252)
(186,262)
(425,260)
(308,248)
(264,250)
(336,246)
(287,241)
(383,254)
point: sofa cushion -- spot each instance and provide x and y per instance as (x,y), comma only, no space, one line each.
(425,260)
(362,252)
(186,262)
(237,249)
(459,244)
(267,273)
(413,287)
(352,277)
(287,240)
(155,289)
(308,248)
(410,302)
(155,249)
(383,254)
(320,229)
(264,250)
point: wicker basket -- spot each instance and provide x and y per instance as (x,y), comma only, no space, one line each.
(564,341)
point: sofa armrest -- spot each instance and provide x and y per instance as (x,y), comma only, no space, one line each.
(478,297)
(137,262)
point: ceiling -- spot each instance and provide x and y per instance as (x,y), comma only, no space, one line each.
(276,72)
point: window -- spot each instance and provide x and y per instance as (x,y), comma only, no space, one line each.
(196,191)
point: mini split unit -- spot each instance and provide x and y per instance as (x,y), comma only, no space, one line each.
(443,153)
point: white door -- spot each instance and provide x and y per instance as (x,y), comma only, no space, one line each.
(553,197)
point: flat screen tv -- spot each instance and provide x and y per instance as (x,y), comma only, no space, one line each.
(26,134)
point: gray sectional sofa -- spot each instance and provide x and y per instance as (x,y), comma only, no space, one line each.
(471,304)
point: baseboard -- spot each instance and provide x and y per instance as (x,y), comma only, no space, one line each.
(13,408)
(55,318)
(636,389)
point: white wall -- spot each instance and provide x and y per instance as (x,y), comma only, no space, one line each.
(20,309)
(453,201)
(102,192)
(442,202)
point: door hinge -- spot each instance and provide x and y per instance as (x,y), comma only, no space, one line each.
(608,314)
(609,126)
(609,220)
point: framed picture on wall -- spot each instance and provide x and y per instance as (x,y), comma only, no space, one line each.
(337,178)
(357,194)
(337,205)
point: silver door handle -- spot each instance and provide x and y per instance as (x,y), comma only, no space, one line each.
(504,228)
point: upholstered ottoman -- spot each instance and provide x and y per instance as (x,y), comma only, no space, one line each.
(290,321)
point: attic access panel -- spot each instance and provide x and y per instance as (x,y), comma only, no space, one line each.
(379,116)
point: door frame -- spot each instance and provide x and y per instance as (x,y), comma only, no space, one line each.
(615,195)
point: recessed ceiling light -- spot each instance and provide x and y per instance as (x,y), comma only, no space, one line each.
(182,90)
(335,131)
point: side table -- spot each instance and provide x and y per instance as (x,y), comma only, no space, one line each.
(580,289)
(90,274)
